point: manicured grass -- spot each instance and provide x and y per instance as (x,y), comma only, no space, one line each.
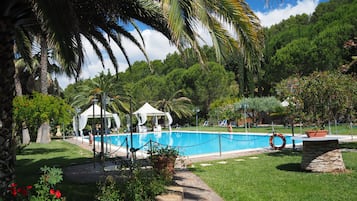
(59,154)
(277,176)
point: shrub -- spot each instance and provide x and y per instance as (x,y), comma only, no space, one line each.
(140,185)
(108,191)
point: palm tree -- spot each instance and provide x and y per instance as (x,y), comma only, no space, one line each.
(215,15)
(23,15)
(180,106)
(44,62)
(98,22)
(96,88)
(27,73)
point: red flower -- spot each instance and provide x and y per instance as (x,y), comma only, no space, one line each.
(23,191)
(52,191)
(13,189)
(14,192)
(58,194)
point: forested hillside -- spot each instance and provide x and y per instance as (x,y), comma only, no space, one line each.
(303,44)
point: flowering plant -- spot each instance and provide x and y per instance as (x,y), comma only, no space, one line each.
(44,188)
(20,193)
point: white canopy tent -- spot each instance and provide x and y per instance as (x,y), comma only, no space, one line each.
(148,110)
(88,113)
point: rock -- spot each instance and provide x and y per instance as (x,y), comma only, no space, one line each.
(43,133)
(322,156)
(25,136)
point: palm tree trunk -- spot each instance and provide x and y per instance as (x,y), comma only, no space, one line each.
(43,77)
(7,93)
(18,86)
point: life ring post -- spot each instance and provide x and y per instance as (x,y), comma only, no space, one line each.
(271,141)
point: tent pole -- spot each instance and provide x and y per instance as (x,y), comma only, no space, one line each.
(101,130)
(93,131)
(131,129)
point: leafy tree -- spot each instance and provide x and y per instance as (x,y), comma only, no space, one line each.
(294,58)
(303,44)
(351,60)
(321,96)
(203,87)
(172,62)
(243,75)
(257,106)
(223,108)
(139,70)
(175,79)
(38,108)
(149,89)
(328,52)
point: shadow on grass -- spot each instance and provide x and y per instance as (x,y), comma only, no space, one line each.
(285,152)
(28,170)
(194,169)
(290,167)
(348,145)
(34,151)
(55,154)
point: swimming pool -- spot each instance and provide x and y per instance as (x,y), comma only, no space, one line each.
(197,143)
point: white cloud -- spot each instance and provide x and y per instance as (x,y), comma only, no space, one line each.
(277,15)
(157,46)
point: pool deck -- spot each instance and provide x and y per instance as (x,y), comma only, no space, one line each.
(193,187)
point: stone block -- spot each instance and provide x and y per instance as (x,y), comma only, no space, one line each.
(322,156)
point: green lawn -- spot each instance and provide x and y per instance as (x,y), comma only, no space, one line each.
(60,154)
(277,176)
(270,176)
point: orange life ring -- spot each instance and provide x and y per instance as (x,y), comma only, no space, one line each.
(271,141)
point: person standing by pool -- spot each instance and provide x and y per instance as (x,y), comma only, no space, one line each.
(229,126)
(90,138)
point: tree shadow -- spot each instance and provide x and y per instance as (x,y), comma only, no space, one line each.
(285,152)
(290,167)
(33,151)
(348,145)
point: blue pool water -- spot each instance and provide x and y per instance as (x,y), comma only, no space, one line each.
(197,143)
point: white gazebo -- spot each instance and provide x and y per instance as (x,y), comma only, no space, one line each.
(148,110)
(94,113)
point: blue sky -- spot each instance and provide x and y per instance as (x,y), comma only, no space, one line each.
(158,47)
(263,6)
